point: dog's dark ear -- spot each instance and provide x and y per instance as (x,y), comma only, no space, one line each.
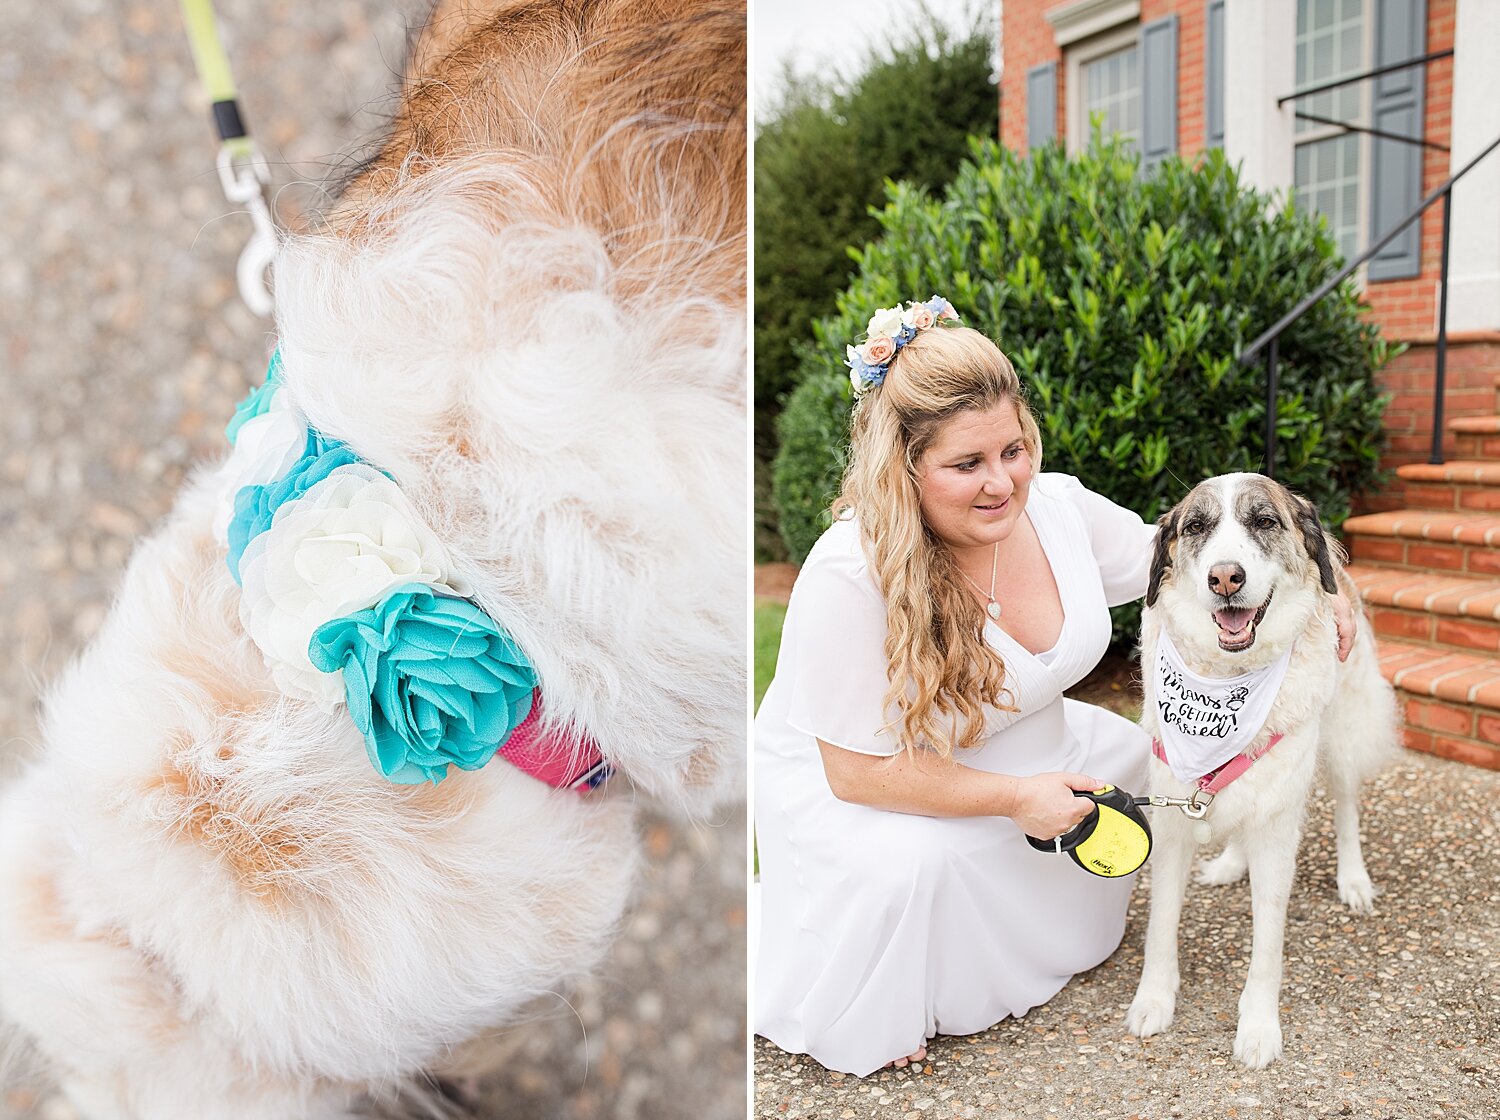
(1161,555)
(1316,542)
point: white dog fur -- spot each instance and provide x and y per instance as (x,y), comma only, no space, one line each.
(1338,719)
(211,906)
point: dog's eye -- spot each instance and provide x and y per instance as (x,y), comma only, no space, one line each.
(1192,528)
(1266,521)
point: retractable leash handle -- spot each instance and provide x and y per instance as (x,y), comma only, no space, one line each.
(242,170)
(1112,841)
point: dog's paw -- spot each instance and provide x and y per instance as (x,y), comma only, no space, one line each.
(1150,1013)
(1257,1043)
(1225,868)
(1357,892)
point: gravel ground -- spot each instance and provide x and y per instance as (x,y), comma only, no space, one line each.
(1395,1015)
(125,348)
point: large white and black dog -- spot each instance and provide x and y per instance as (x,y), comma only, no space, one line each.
(1239,650)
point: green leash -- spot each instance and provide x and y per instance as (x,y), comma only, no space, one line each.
(242,170)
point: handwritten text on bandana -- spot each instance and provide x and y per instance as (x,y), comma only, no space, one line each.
(1206,721)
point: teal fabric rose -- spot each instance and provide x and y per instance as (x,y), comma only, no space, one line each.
(430,680)
(259,400)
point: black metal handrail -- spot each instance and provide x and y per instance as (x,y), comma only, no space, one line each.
(1376,72)
(1339,83)
(1268,339)
(1388,68)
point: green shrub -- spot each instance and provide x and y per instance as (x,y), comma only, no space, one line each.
(822,158)
(1123,301)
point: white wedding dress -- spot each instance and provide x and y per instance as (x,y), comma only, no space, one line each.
(881,929)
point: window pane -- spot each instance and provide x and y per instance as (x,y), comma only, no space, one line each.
(1351,49)
(1322,59)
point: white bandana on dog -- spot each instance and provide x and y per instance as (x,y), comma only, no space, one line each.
(1206,721)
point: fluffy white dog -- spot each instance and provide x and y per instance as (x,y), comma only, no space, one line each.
(1238,656)
(528,309)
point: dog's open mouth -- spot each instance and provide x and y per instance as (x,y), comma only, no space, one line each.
(1237,625)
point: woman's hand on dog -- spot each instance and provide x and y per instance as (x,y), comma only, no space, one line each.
(1347,621)
(1044,805)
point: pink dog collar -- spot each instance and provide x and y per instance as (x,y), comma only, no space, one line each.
(560,760)
(1215,780)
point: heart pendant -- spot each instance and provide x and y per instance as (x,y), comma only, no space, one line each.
(993,610)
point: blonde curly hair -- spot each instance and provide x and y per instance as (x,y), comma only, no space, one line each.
(942,672)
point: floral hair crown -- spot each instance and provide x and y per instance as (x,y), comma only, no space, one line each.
(890,329)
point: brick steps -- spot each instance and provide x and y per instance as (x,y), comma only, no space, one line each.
(1427,540)
(1457,613)
(1476,436)
(1451,701)
(1430,572)
(1460,484)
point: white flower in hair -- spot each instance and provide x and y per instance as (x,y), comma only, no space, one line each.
(265,448)
(886,323)
(336,550)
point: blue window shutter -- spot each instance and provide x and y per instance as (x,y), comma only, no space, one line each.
(1041,105)
(1396,168)
(1213,76)
(1158,91)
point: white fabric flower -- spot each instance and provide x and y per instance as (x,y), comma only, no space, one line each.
(338,549)
(886,322)
(265,449)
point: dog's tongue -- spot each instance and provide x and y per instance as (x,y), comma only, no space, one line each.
(1233,619)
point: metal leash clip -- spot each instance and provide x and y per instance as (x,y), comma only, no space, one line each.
(246,181)
(243,172)
(1191,807)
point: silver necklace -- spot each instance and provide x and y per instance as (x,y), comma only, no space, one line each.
(992,608)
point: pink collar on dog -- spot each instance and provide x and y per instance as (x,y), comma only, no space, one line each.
(1217,779)
(562,761)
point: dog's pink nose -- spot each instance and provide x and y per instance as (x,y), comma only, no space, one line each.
(1226,579)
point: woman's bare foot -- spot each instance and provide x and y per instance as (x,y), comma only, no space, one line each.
(915,1058)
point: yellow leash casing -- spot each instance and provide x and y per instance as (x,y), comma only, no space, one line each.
(1112,841)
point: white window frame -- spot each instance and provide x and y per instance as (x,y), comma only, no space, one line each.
(1364,141)
(1076,56)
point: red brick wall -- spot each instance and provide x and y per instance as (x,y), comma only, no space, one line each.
(1192,63)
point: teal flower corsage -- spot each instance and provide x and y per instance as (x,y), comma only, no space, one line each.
(353,600)
(430,681)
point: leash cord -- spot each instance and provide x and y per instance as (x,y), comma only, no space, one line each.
(242,171)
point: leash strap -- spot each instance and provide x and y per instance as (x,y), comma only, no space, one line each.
(242,171)
(214,73)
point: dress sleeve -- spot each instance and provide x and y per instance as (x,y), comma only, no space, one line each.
(833,645)
(1122,541)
